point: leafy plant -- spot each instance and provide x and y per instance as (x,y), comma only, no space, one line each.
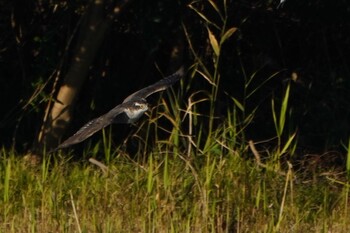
(279,122)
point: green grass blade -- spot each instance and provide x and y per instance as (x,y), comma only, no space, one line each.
(283,112)
(288,143)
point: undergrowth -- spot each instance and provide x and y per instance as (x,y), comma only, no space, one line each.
(168,192)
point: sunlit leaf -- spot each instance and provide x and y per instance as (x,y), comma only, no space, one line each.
(204,17)
(228,34)
(288,143)
(213,4)
(207,77)
(284,107)
(238,104)
(275,117)
(214,43)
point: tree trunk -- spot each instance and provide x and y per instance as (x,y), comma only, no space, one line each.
(92,33)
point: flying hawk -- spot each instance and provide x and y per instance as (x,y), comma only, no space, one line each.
(129,111)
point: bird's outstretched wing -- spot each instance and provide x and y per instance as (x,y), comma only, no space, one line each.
(156,87)
(99,123)
(92,127)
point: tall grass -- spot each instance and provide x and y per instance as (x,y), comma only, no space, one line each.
(213,78)
(214,193)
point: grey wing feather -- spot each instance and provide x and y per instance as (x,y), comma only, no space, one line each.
(158,86)
(91,127)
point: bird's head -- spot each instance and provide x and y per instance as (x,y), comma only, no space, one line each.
(140,105)
(135,110)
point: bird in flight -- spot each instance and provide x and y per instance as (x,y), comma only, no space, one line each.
(128,112)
